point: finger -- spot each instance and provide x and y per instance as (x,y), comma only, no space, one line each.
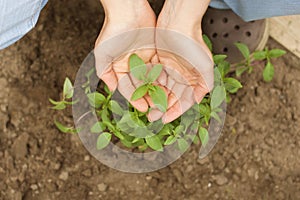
(154,115)
(199,93)
(127,88)
(149,100)
(178,90)
(181,106)
(172,99)
(170,83)
(110,79)
(162,79)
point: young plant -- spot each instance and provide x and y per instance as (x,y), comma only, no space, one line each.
(265,54)
(132,128)
(138,69)
(68,92)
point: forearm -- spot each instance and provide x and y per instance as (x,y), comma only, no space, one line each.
(184,16)
(122,7)
(191,7)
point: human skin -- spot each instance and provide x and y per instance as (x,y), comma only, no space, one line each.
(187,84)
(183,82)
(124,16)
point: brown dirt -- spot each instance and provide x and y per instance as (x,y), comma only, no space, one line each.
(257,156)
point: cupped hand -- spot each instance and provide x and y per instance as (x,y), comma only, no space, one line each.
(125,31)
(188,66)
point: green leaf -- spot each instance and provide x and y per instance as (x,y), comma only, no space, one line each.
(64,128)
(243,49)
(127,122)
(105,115)
(196,139)
(126,143)
(219,58)
(239,71)
(204,136)
(204,109)
(269,71)
(96,99)
(143,147)
(116,108)
(224,68)
(155,143)
(260,55)
(159,98)
(217,97)
(178,130)
(136,140)
(137,67)
(103,140)
(68,89)
(110,126)
(54,102)
(154,73)
(89,73)
(228,99)
(183,145)
(232,85)
(170,140)
(207,42)
(217,76)
(165,130)
(216,116)
(106,89)
(275,53)
(59,106)
(250,69)
(119,135)
(74,131)
(124,127)
(188,120)
(139,92)
(98,127)
(72,102)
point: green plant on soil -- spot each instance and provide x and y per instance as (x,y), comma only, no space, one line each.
(131,127)
(266,55)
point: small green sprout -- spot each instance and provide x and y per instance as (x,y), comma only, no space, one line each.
(265,54)
(138,69)
(68,92)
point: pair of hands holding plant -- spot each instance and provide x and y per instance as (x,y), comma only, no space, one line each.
(131,27)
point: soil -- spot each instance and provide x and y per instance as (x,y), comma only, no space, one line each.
(257,156)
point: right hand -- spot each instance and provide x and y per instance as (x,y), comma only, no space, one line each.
(186,59)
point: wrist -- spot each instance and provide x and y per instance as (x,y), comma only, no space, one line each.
(123,9)
(183,16)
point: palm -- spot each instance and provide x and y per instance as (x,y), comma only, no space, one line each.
(116,42)
(188,77)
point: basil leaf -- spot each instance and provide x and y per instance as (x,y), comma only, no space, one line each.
(103,140)
(137,67)
(154,73)
(243,49)
(269,71)
(68,90)
(139,92)
(155,143)
(159,98)
(203,135)
(217,97)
